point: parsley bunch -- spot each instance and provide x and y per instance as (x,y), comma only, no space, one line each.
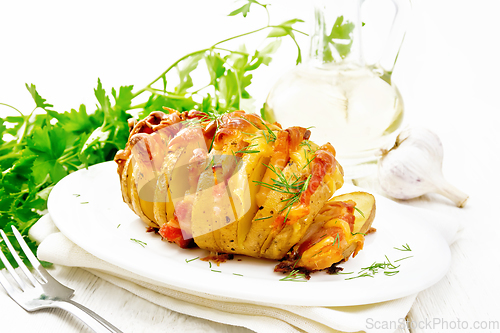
(45,147)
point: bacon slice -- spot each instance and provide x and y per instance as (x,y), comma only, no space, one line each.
(172,232)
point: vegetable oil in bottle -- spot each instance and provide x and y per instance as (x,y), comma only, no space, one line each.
(350,106)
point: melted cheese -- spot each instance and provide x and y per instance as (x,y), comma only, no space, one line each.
(330,249)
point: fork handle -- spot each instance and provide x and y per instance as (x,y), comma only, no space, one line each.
(89,317)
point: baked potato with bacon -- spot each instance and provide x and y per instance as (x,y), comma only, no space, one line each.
(236,184)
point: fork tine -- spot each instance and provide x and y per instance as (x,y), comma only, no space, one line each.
(31,257)
(44,275)
(11,270)
(19,260)
(5,283)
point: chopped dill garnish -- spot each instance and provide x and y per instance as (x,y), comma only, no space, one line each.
(293,187)
(337,241)
(268,134)
(272,136)
(387,267)
(295,276)
(237,274)
(247,151)
(212,163)
(314,255)
(362,275)
(141,243)
(403,258)
(213,270)
(85,202)
(188,261)
(405,247)
(357,233)
(192,122)
(76,195)
(306,143)
(264,218)
(359,211)
(118,226)
(308,161)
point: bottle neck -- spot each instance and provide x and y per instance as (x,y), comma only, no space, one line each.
(336,36)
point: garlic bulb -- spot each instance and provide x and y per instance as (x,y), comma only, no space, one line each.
(413,167)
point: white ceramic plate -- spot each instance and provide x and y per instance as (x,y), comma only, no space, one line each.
(87,207)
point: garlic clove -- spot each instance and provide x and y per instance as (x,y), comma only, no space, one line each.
(413,167)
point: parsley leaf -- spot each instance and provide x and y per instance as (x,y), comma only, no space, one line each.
(39,101)
(245,8)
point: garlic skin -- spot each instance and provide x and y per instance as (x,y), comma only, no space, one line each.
(413,167)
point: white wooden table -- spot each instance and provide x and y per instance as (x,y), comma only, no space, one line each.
(448,74)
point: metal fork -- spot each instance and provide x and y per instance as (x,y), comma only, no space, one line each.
(43,291)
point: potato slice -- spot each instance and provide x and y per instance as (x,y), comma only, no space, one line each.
(140,207)
(203,224)
(163,207)
(365,202)
(242,190)
(259,234)
(125,181)
(291,234)
(325,244)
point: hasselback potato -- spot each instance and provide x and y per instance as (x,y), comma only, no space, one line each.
(236,184)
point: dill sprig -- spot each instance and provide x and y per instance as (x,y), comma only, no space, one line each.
(306,143)
(308,160)
(359,276)
(141,243)
(403,258)
(189,260)
(292,186)
(268,134)
(405,247)
(337,241)
(263,218)
(295,198)
(193,122)
(212,163)
(387,267)
(295,276)
(247,151)
(282,184)
(359,211)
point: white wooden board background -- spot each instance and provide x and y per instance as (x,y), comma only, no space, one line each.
(448,74)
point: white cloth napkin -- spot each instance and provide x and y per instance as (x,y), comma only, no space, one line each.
(56,248)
